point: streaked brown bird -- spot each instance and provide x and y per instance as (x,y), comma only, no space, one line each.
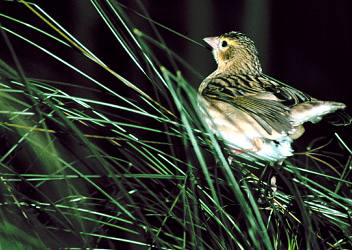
(256,115)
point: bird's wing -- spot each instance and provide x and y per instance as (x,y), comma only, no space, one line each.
(292,96)
(246,95)
(289,95)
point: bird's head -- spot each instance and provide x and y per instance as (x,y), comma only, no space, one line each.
(234,51)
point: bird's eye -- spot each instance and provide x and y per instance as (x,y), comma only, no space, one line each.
(224,44)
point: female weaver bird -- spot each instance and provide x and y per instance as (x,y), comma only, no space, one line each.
(255,114)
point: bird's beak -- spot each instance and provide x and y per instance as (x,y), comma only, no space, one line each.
(212,41)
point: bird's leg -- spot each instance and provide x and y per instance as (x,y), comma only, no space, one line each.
(273,184)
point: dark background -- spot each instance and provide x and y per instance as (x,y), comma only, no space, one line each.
(304,43)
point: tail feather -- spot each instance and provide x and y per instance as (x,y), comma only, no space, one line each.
(313,111)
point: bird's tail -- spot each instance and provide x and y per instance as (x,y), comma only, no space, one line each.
(314,111)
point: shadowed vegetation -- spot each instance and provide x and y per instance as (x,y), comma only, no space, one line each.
(104,161)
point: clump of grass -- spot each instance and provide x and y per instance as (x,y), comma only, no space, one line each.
(85,165)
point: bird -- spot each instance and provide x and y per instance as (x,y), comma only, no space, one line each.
(257,116)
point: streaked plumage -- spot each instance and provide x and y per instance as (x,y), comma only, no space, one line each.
(253,112)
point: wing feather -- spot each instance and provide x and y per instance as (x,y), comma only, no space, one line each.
(241,93)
